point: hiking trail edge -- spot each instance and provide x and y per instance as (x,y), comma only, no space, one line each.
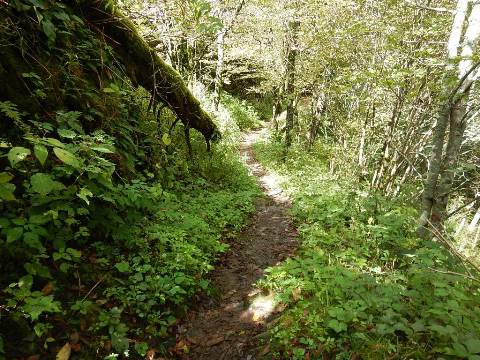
(226,326)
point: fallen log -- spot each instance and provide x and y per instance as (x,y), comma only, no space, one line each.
(144,67)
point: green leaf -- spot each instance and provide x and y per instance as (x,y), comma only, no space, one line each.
(84,194)
(67,157)
(6,192)
(54,142)
(35,306)
(4,223)
(459,350)
(473,346)
(74,252)
(10,110)
(41,328)
(141,348)
(14,234)
(102,149)
(18,154)
(5,177)
(119,342)
(69,134)
(33,240)
(122,266)
(41,153)
(166,139)
(337,325)
(418,326)
(49,30)
(108,90)
(44,184)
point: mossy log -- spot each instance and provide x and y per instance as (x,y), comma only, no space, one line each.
(145,67)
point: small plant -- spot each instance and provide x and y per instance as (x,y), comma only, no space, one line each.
(362,283)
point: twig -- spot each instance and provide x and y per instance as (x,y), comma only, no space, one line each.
(94,287)
(452,249)
(411,3)
(462,207)
(455,273)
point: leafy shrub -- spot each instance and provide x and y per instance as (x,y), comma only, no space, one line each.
(107,228)
(362,284)
(244,114)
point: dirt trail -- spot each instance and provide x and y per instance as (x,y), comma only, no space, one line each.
(225,326)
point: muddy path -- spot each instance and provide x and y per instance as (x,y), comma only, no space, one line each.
(226,325)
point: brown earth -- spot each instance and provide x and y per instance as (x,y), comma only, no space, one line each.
(228,324)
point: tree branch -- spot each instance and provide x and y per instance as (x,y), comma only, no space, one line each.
(412,3)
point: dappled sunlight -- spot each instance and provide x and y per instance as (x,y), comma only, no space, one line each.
(227,327)
(260,309)
(270,181)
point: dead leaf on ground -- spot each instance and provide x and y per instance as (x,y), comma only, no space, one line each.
(76,347)
(181,346)
(150,354)
(47,289)
(193,340)
(64,353)
(217,339)
(296,294)
(265,350)
(34,357)
(280,307)
(74,337)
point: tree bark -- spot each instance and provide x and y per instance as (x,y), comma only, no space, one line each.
(319,106)
(145,68)
(453,116)
(292,35)
(277,108)
(219,69)
(218,83)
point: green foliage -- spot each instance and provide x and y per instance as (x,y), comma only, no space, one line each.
(244,114)
(107,228)
(362,284)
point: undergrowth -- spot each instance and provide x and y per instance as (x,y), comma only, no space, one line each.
(363,285)
(107,226)
(245,115)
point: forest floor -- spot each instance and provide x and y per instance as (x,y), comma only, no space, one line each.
(227,325)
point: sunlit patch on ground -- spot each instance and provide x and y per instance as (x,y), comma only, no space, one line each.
(271,181)
(261,307)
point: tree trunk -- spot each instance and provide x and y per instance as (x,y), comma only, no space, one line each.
(219,69)
(441,171)
(292,35)
(277,108)
(319,106)
(457,28)
(458,124)
(145,68)
(220,51)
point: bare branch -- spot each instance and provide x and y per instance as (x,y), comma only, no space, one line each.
(412,3)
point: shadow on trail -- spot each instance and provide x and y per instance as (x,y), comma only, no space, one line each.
(226,326)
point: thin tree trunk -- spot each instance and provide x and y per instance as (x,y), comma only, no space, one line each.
(219,69)
(218,83)
(442,169)
(457,28)
(292,34)
(319,107)
(458,124)
(277,108)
